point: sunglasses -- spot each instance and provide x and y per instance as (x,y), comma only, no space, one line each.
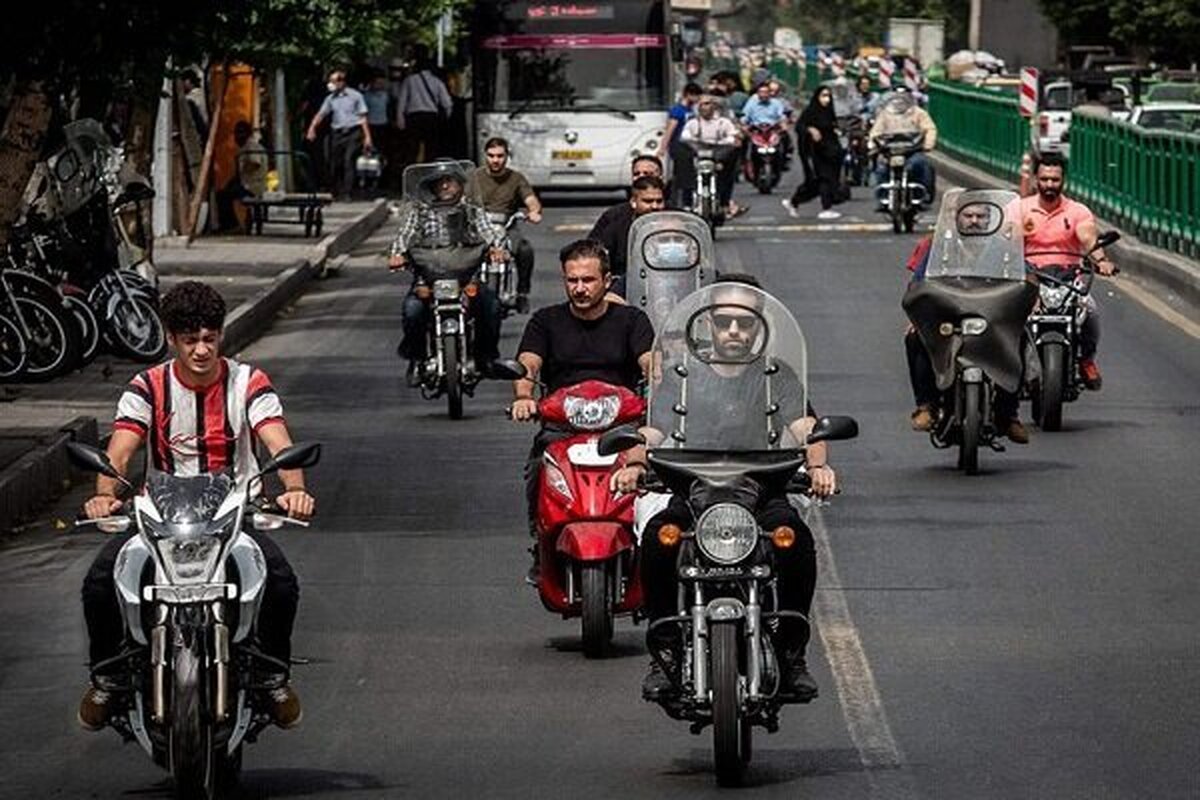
(745,322)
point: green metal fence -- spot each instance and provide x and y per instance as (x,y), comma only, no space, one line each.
(980,126)
(1147,182)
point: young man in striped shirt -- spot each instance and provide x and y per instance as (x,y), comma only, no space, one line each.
(197,413)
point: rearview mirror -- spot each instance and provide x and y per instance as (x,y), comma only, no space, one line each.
(618,440)
(66,166)
(92,459)
(507,369)
(1107,238)
(833,429)
(297,456)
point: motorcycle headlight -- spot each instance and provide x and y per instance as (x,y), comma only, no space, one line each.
(974,326)
(1053,296)
(592,414)
(896,161)
(189,559)
(727,533)
(446,289)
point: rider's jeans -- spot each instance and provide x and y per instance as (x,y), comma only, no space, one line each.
(921,169)
(106,628)
(484,309)
(795,566)
(924,382)
(524,258)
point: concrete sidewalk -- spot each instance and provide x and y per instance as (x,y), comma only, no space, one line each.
(257,275)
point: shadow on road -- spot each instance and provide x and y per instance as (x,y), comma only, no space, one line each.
(775,766)
(626,644)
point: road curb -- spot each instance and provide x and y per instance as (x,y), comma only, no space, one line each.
(255,314)
(42,474)
(1175,279)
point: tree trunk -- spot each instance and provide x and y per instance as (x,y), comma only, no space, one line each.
(21,141)
(206,162)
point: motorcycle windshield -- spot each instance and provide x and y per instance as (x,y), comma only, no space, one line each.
(670,256)
(729,373)
(423,183)
(189,501)
(978,235)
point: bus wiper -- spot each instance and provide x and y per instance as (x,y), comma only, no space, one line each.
(605,107)
(521,109)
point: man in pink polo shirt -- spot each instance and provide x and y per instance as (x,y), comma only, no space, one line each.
(1053,222)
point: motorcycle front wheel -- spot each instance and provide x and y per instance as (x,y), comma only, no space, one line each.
(972,426)
(452,362)
(52,346)
(597,616)
(12,350)
(728,733)
(87,325)
(136,330)
(190,750)
(1050,394)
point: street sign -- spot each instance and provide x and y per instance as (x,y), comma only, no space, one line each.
(1029,91)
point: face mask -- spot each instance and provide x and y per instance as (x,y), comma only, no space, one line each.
(331,86)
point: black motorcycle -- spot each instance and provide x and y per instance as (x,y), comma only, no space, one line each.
(1054,326)
(856,160)
(901,196)
(970,313)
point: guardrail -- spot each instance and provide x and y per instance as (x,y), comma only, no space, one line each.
(980,126)
(1147,182)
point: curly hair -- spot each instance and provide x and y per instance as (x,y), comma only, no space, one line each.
(190,306)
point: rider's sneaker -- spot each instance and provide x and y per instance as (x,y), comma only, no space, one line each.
(1090,374)
(285,707)
(1016,432)
(413,375)
(534,576)
(94,709)
(522,304)
(657,685)
(829,213)
(798,683)
(793,212)
(922,419)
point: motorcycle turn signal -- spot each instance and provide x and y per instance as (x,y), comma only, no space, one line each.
(669,535)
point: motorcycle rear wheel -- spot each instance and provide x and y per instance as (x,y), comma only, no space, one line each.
(1050,396)
(728,725)
(968,446)
(454,388)
(53,345)
(88,326)
(597,616)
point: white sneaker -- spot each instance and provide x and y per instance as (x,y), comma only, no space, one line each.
(829,213)
(793,212)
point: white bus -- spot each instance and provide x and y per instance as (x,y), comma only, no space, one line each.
(577,89)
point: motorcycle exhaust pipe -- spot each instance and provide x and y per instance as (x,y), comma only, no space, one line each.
(158,673)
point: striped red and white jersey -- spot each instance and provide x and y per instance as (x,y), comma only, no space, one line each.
(192,431)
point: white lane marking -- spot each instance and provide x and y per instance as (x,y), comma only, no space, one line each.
(862,706)
(1156,306)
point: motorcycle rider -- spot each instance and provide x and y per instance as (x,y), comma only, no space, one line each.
(899,113)
(714,130)
(763,108)
(683,179)
(442,217)
(504,191)
(199,412)
(612,230)
(735,326)
(1052,221)
(587,337)
(972,219)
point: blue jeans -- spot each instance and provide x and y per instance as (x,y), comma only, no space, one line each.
(919,167)
(484,308)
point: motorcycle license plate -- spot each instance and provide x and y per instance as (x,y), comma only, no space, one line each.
(570,155)
(896,161)
(586,454)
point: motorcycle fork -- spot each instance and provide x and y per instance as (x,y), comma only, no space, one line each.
(221,662)
(699,644)
(753,634)
(123,290)
(158,665)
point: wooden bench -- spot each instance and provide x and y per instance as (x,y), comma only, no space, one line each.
(308,207)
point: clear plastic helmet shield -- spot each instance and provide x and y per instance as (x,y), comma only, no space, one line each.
(729,372)
(433,183)
(978,234)
(897,102)
(670,256)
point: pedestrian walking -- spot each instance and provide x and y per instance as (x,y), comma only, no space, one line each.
(423,109)
(818,125)
(347,113)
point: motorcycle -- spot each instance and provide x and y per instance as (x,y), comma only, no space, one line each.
(1064,302)
(728,674)
(970,312)
(852,135)
(191,684)
(901,196)
(765,165)
(706,202)
(39,337)
(502,275)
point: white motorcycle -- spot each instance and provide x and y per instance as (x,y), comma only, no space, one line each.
(502,275)
(191,684)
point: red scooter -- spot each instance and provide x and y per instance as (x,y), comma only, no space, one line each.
(586,544)
(765,164)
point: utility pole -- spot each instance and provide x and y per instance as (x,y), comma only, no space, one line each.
(161,168)
(973,24)
(281,136)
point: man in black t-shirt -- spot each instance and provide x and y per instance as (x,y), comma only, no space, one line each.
(589,337)
(612,229)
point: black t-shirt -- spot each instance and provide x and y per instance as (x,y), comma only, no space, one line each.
(574,350)
(612,230)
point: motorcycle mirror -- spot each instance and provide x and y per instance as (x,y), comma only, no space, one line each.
(66,167)
(297,456)
(618,440)
(833,429)
(92,459)
(1107,238)
(507,369)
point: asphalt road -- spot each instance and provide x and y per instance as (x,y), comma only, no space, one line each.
(1029,632)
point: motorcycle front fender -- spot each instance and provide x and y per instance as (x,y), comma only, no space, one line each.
(252,579)
(127,577)
(1052,336)
(594,541)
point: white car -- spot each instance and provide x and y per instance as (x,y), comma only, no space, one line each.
(1178,117)
(1050,134)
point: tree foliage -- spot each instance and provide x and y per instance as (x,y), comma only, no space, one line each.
(1167,30)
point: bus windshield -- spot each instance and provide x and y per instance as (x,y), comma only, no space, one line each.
(602,56)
